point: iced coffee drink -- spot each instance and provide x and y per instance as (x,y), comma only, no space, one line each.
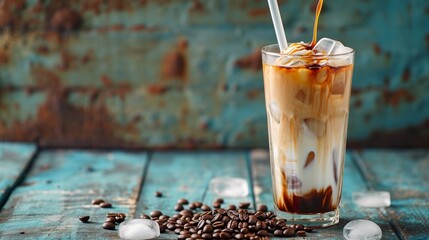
(307,93)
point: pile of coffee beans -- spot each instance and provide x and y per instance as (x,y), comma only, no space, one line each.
(201,222)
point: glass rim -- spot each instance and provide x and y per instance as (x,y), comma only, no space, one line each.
(265,50)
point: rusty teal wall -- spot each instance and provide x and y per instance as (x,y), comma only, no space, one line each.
(182,73)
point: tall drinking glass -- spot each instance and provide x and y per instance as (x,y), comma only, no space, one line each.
(307,101)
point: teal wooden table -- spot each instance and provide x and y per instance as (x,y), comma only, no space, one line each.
(42,192)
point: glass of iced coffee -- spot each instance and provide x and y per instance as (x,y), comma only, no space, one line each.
(307,94)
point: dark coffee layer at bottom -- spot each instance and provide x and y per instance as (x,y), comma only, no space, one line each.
(310,203)
(315,201)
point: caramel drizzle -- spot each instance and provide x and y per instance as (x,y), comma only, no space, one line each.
(316,23)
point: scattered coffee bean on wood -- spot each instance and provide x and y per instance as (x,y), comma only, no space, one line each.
(109,226)
(105,205)
(84,219)
(97,201)
(183,201)
(158,194)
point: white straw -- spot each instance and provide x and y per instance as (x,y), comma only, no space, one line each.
(278,24)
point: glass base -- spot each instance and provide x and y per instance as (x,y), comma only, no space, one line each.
(312,220)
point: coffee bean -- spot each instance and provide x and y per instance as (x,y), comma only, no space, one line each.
(206,236)
(119,219)
(289,232)
(280,223)
(225,235)
(183,201)
(177,230)
(244,205)
(218,224)
(270,215)
(262,233)
(97,201)
(208,228)
(299,227)
(216,205)
(308,229)
(239,236)
(171,226)
(220,200)
(207,217)
(84,219)
(195,235)
(232,224)
(205,208)
(178,207)
(108,225)
(243,216)
(198,204)
(252,220)
(192,206)
(110,219)
(278,233)
(301,233)
(216,235)
(158,194)
(217,217)
(262,208)
(232,207)
(252,228)
(260,215)
(105,205)
(155,213)
(243,225)
(244,230)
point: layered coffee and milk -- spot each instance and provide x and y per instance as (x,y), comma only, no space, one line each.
(307,95)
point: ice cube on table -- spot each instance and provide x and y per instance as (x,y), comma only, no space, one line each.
(329,46)
(372,199)
(362,229)
(229,187)
(275,111)
(138,229)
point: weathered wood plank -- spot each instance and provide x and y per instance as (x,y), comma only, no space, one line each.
(187,175)
(60,187)
(405,175)
(14,160)
(352,181)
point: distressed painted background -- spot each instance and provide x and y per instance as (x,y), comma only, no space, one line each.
(182,73)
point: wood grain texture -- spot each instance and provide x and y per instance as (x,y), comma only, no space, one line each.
(187,175)
(352,182)
(60,187)
(14,159)
(405,175)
